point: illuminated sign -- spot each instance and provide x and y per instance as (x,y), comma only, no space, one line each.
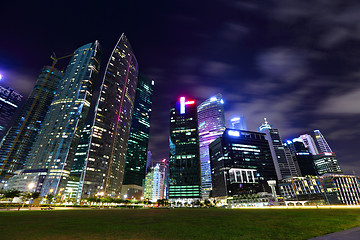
(183,103)
(234,133)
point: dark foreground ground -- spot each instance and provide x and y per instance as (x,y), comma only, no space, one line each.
(176,223)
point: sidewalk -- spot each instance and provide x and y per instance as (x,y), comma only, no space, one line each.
(350,234)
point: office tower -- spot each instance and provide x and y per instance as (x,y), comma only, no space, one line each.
(60,133)
(301,156)
(309,144)
(211,121)
(110,133)
(238,123)
(284,165)
(323,145)
(326,163)
(20,138)
(136,157)
(241,163)
(155,182)
(9,103)
(74,185)
(184,155)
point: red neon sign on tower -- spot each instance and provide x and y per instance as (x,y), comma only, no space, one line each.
(183,103)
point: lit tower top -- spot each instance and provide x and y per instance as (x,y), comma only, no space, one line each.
(238,123)
(265,125)
(323,145)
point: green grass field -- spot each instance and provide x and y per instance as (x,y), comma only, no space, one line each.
(176,223)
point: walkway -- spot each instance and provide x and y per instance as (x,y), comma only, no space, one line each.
(350,234)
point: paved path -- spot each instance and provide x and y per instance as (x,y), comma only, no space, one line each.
(350,234)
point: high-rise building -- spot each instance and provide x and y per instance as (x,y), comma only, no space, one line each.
(184,156)
(105,159)
(18,141)
(136,157)
(310,144)
(326,163)
(284,164)
(238,123)
(211,120)
(301,156)
(59,136)
(9,103)
(241,163)
(155,182)
(323,145)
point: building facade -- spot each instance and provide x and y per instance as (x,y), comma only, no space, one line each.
(20,138)
(241,163)
(9,104)
(326,163)
(155,182)
(184,156)
(136,157)
(309,143)
(322,143)
(284,164)
(211,119)
(105,159)
(301,156)
(59,136)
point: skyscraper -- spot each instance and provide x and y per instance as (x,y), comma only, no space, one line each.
(241,163)
(238,123)
(211,121)
(136,157)
(323,145)
(184,156)
(309,144)
(302,156)
(284,165)
(327,163)
(155,182)
(26,127)
(56,144)
(9,103)
(105,160)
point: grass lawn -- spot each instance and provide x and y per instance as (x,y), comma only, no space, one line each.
(176,223)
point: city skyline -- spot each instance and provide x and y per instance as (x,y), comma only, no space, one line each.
(288,81)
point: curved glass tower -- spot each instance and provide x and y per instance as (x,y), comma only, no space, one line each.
(211,121)
(104,166)
(60,134)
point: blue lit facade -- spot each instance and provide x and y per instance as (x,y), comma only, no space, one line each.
(211,121)
(19,140)
(60,134)
(9,103)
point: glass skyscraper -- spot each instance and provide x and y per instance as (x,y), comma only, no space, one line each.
(17,143)
(136,157)
(211,120)
(184,156)
(284,164)
(56,144)
(323,145)
(106,156)
(241,163)
(238,123)
(9,103)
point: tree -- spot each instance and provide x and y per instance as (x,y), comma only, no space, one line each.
(11,193)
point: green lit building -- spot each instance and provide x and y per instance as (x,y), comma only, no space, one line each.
(184,157)
(136,157)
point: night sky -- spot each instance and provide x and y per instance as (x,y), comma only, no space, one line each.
(294,62)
